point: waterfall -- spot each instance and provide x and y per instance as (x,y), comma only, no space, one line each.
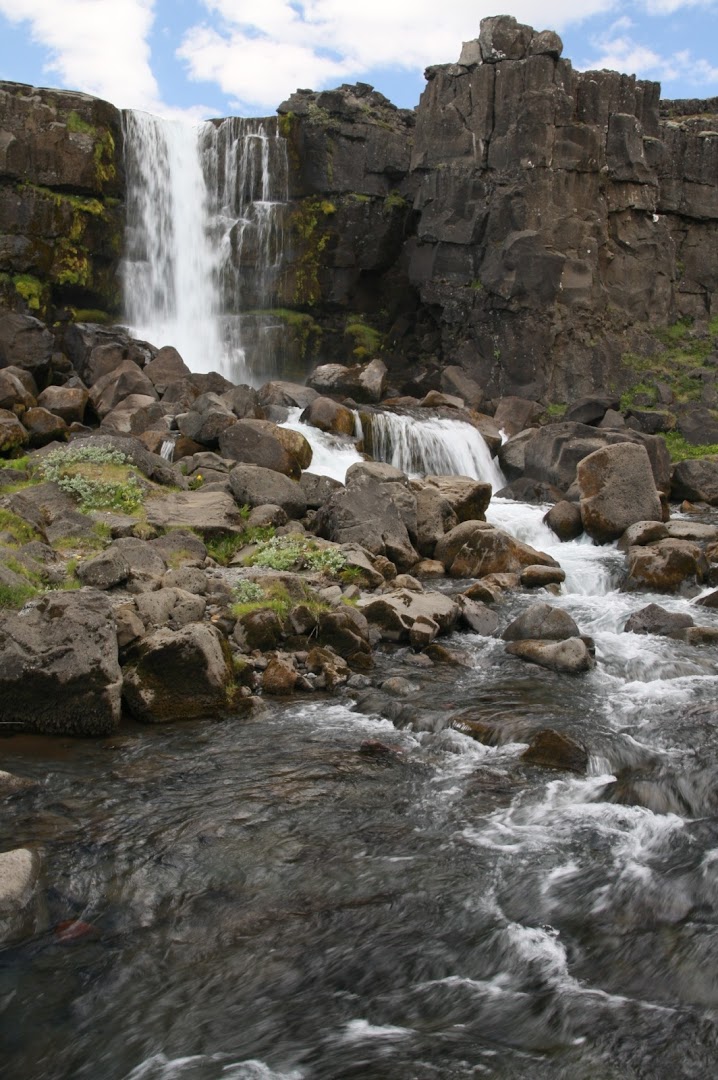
(204,240)
(433,445)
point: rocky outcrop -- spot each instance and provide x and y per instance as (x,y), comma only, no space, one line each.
(61,188)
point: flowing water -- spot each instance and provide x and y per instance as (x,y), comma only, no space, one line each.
(270,899)
(204,241)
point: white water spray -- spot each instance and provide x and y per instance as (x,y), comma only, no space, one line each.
(432,446)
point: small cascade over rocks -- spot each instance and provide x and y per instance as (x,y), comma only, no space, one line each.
(430,446)
(204,240)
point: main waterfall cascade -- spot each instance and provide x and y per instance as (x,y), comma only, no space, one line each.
(204,240)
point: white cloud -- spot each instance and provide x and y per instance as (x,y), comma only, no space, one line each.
(622,53)
(259,51)
(98,46)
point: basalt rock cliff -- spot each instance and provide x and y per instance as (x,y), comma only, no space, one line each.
(542,228)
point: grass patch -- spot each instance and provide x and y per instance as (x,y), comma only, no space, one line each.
(681,450)
(679,363)
(251,597)
(14,596)
(556,409)
(99,479)
(223,548)
(16,527)
(298,553)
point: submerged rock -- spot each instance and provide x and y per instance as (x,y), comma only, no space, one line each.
(554,750)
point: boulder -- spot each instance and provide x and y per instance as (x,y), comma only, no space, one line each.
(258,442)
(209,512)
(617,489)
(244,402)
(542,622)
(501,37)
(538,577)
(515,414)
(364,383)
(695,480)
(118,384)
(179,675)
(59,670)
(332,669)
(571,656)
(25,343)
(105,570)
(365,513)
(552,454)
(329,415)
(318,489)
(434,518)
(253,485)
(454,380)
(19,874)
(553,750)
(468,498)
(641,533)
(477,549)
(524,489)
(12,433)
(512,454)
(346,629)
(179,547)
(166,368)
(394,613)
(477,617)
(590,410)
(665,566)
(656,620)
(145,562)
(43,426)
(279,677)
(564,518)
(260,629)
(14,395)
(67,402)
(170,606)
(288,394)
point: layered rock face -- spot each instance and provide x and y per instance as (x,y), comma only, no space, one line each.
(61,188)
(532,227)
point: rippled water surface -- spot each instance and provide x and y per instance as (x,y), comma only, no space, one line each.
(268,899)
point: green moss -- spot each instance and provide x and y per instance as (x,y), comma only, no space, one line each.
(31,290)
(394,201)
(366,341)
(640,390)
(681,450)
(354,196)
(223,548)
(678,361)
(306,331)
(556,409)
(104,157)
(285,123)
(91,315)
(76,124)
(309,226)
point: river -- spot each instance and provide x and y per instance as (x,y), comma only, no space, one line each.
(266,900)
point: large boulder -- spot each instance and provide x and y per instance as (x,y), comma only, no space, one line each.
(364,513)
(617,488)
(252,485)
(394,613)
(468,498)
(476,549)
(434,518)
(166,368)
(206,511)
(542,622)
(179,675)
(364,383)
(696,480)
(666,566)
(25,343)
(552,454)
(570,657)
(258,442)
(328,415)
(118,384)
(59,669)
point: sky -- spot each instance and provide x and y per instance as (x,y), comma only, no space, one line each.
(203,58)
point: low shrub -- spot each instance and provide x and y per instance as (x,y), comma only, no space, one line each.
(99,478)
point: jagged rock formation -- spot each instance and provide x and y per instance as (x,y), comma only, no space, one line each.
(537,227)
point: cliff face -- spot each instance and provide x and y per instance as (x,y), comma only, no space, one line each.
(61,189)
(540,227)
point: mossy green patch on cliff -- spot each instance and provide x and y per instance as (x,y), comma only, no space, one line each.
(104,157)
(367,342)
(395,201)
(76,124)
(311,236)
(305,331)
(32,291)
(679,361)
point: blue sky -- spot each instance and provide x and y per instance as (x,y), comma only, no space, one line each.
(217,57)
